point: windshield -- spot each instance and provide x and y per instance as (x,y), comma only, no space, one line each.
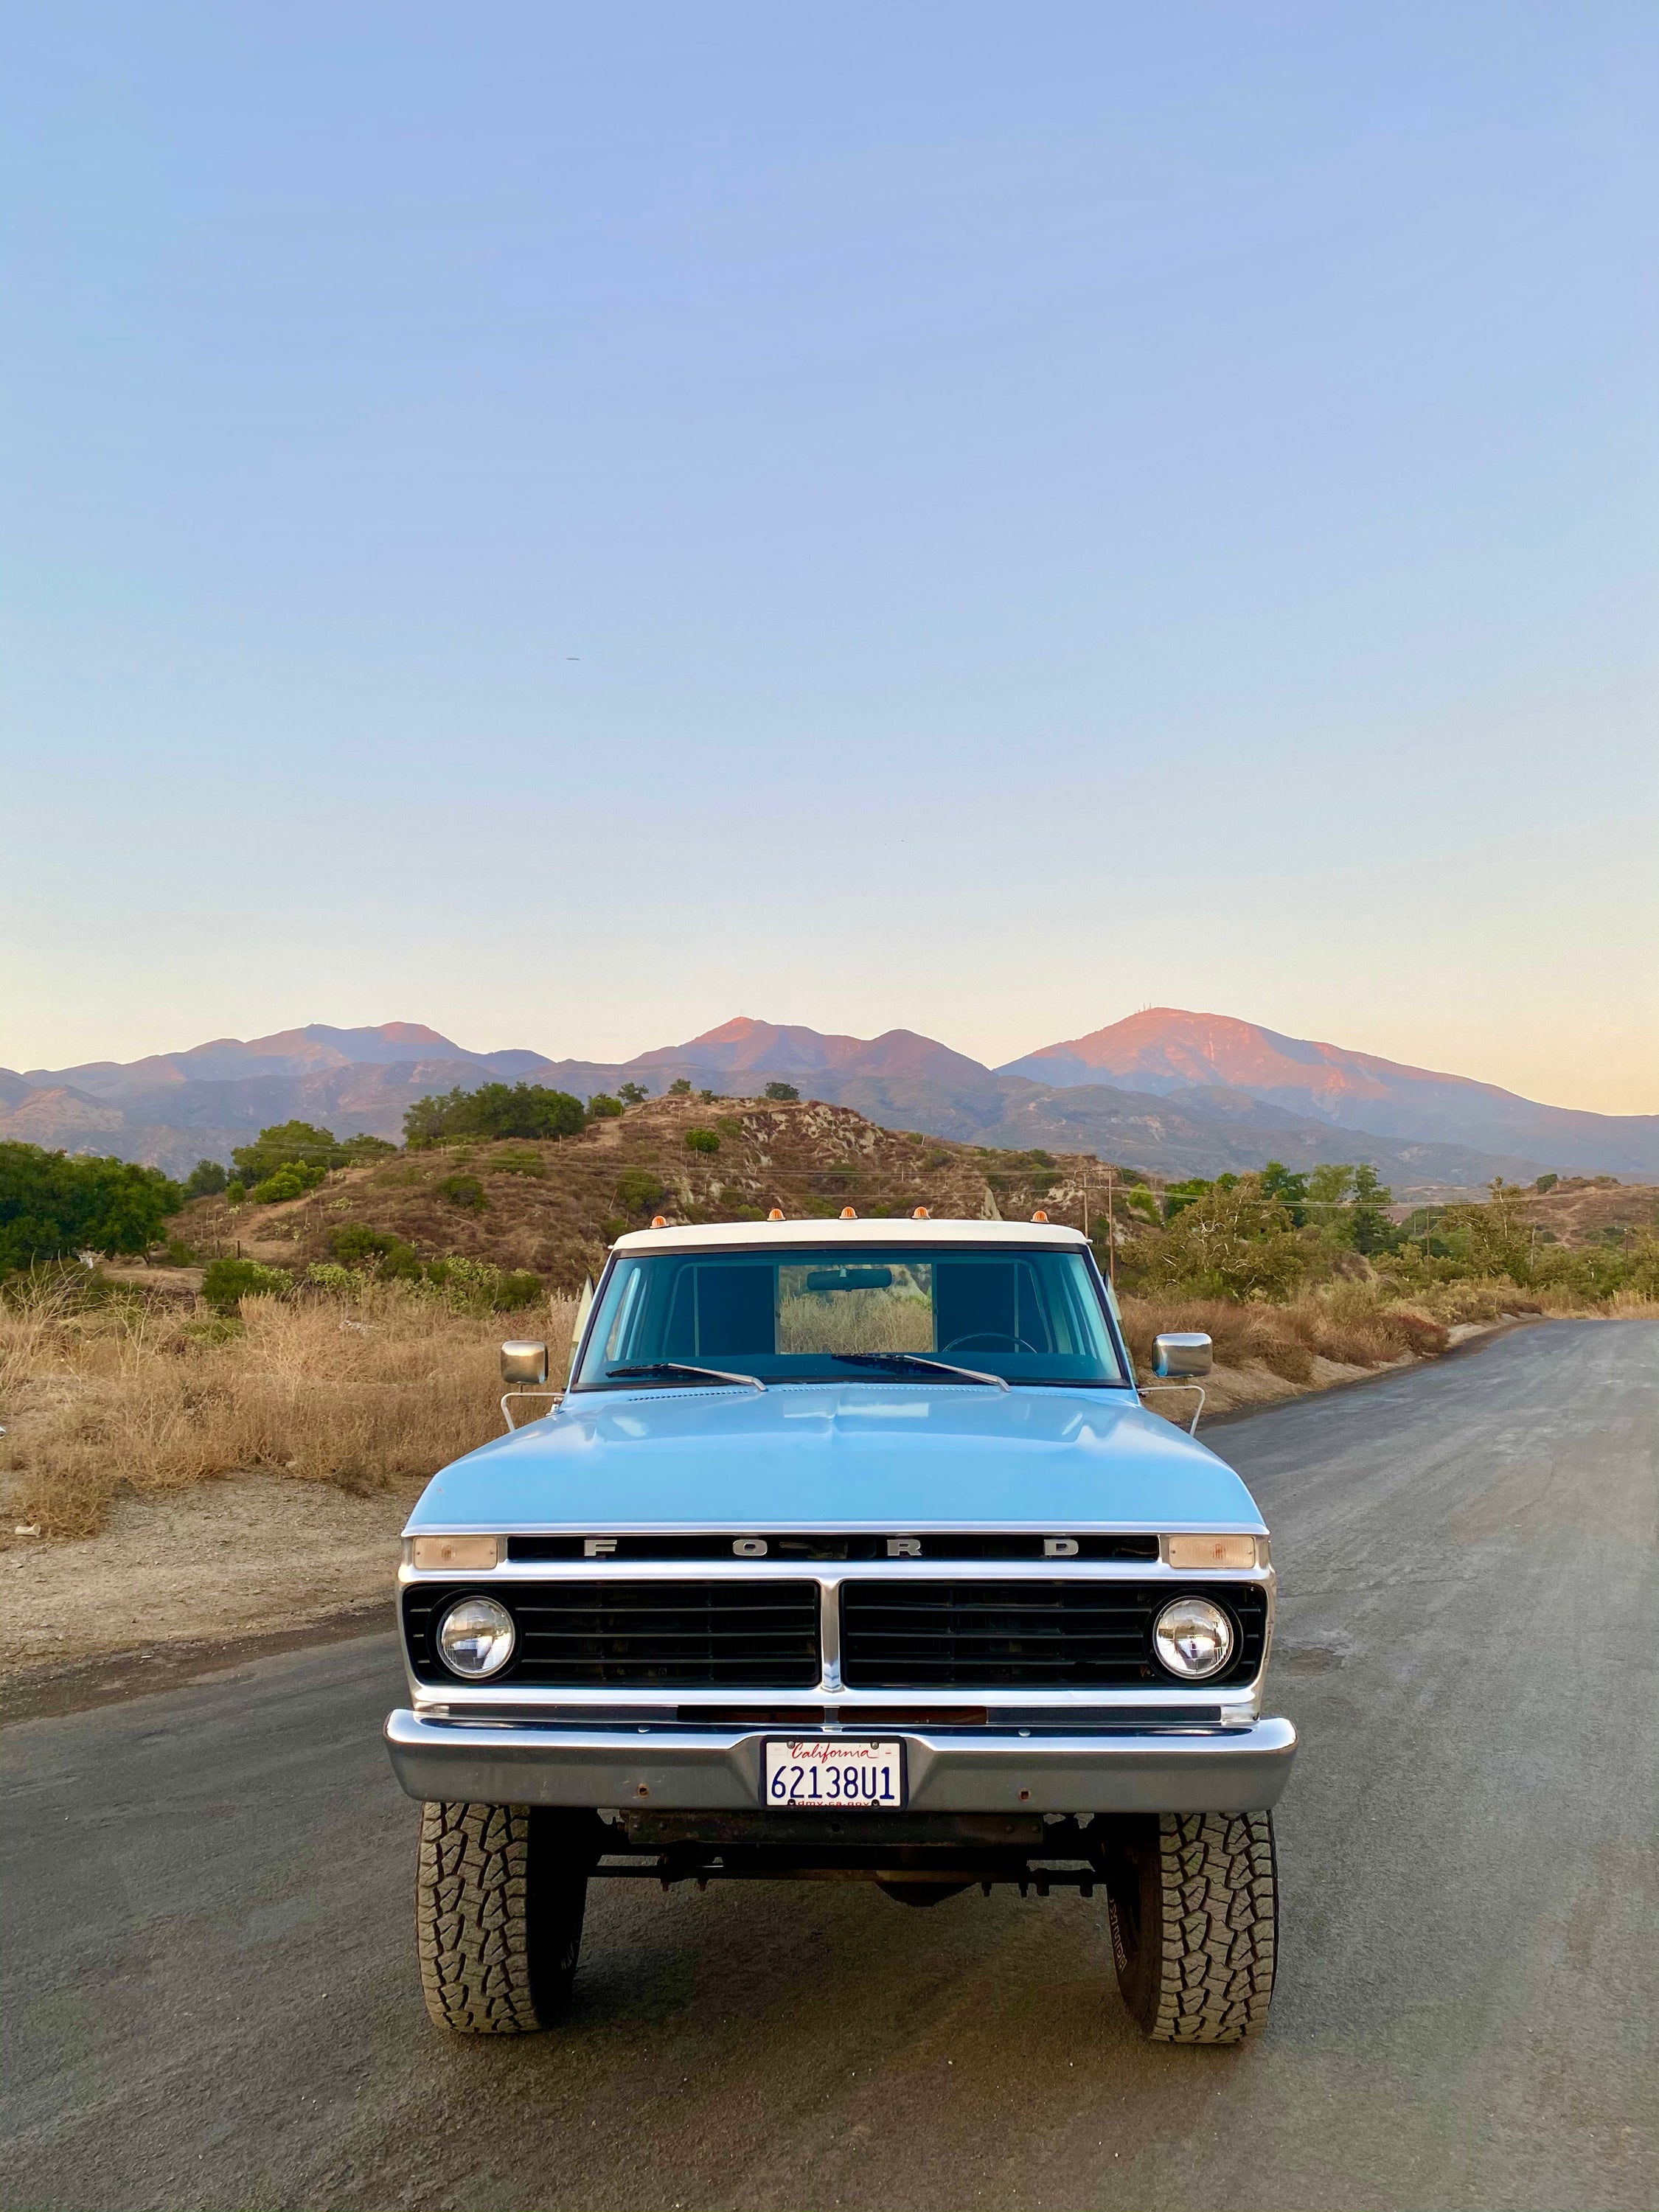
(1025,1316)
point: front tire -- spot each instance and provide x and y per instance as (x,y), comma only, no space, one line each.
(500,1892)
(1194,1904)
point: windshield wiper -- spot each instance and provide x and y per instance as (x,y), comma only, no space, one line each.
(672,1367)
(906,1363)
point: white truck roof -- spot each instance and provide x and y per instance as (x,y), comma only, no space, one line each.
(741,1235)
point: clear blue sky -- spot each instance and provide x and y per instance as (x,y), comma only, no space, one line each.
(570,523)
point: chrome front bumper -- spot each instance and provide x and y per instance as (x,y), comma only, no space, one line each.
(717,1770)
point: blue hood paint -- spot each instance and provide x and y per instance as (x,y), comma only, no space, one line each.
(896,1455)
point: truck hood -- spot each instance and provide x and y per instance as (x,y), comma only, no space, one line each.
(899,1455)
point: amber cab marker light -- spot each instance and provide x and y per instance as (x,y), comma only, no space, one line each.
(776,1214)
(468,1555)
(1039,1215)
(919,1213)
(848,1213)
(1188,1552)
(659,1221)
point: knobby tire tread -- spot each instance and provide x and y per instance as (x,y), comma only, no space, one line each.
(1203,1968)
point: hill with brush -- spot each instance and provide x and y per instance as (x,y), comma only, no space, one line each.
(554,1207)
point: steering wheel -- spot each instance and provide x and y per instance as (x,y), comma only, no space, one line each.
(994,1340)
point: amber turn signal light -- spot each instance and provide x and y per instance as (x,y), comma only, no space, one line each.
(1189,1551)
(463,1554)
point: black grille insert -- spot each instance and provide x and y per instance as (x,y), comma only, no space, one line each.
(638,1635)
(1074,1634)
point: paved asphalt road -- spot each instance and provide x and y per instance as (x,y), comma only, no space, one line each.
(210,1995)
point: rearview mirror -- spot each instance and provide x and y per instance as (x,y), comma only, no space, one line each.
(1182,1352)
(524,1363)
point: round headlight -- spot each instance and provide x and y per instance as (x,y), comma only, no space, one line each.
(1193,1638)
(475,1637)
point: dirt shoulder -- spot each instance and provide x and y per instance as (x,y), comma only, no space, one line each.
(189,1581)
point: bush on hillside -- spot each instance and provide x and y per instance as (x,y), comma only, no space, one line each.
(602,1107)
(390,1259)
(206,1179)
(226,1283)
(638,1190)
(463,1190)
(703,1141)
(291,1181)
(783,1093)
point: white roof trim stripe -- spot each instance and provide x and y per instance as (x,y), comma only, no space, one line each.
(740,1236)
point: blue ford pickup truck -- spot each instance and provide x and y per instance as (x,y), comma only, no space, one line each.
(851,1553)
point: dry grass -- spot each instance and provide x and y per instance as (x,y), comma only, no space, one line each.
(123,1398)
(1346,1323)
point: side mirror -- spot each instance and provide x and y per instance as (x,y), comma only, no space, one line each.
(1183,1352)
(523,1364)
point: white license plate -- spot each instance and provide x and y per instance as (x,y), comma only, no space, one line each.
(821,1772)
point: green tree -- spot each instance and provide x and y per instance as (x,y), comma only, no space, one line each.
(495,1109)
(205,1180)
(52,1206)
(300,1146)
(784,1093)
(632,1094)
(1178,1196)
(703,1141)
(363,1148)
(1230,1242)
(602,1107)
(1290,1190)
(680,1087)
(1370,1229)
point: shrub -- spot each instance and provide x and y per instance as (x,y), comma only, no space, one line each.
(206,1179)
(602,1107)
(354,1242)
(679,1088)
(288,1183)
(373,1251)
(632,1094)
(226,1283)
(235,1192)
(177,1253)
(638,1190)
(703,1141)
(475,1286)
(463,1190)
(785,1093)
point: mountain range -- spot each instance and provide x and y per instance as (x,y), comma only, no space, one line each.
(1170,1092)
